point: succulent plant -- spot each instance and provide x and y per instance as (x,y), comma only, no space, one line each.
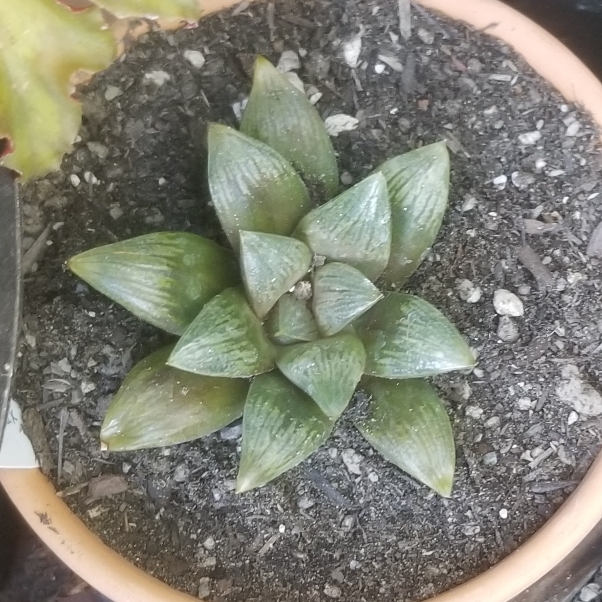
(288,338)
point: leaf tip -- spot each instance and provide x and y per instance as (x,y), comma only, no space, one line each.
(245,483)
(444,486)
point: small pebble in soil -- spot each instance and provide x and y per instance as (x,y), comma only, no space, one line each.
(590,593)
(490,459)
(474,412)
(195,58)
(288,61)
(305,503)
(579,394)
(332,591)
(468,291)
(339,123)
(351,51)
(529,138)
(500,182)
(507,330)
(352,461)
(507,303)
(204,587)
(469,203)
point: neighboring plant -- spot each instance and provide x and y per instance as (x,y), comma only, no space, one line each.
(289,344)
(43,44)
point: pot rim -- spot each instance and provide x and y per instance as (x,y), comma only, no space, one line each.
(112,575)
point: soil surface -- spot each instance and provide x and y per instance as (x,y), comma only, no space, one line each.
(523,206)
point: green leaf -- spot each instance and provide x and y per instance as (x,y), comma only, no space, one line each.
(406,337)
(189,10)
(252,186)
(409,426)
(225,339)
(280,115)
(291,321)
(341,294)
(271,265)
(353,228)
(164,278)
(328,370)
(158,405)
(42,45)
(281,427)
(418,184)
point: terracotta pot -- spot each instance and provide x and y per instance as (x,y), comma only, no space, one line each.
(517,578)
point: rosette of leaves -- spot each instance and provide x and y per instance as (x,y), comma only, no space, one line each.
(286,326)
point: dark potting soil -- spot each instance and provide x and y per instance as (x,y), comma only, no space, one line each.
(345,523)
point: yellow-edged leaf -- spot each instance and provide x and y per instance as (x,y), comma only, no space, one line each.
(42,44)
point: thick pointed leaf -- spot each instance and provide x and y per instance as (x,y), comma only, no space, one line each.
(353,228)
(281,427)
(158,405)
(409,426)
(252,186)
(42,44)
(341,294)
(418,184)
(280,115)
(328,370)
(225,339)
(164,278)
(190,10)
(406,337)
(291,321)
(271,265)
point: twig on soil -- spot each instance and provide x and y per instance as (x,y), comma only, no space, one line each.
(240,8)
(543,456)
(268,544)
(327,489)
(72,490)
(405,18)
(61,436)
(270,16)
(35,251)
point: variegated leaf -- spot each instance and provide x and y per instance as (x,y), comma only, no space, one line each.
(252,186)
(225,339)
(281,427)
(271,265)
(158,405)
(291,321)
(353,228)
(341,294)
(328,370)
(418,184)
(406,337)
(409,426)
(164,278)
(280,115)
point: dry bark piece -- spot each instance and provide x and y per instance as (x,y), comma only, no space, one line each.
(534,226)
(105,485)
(529,258)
